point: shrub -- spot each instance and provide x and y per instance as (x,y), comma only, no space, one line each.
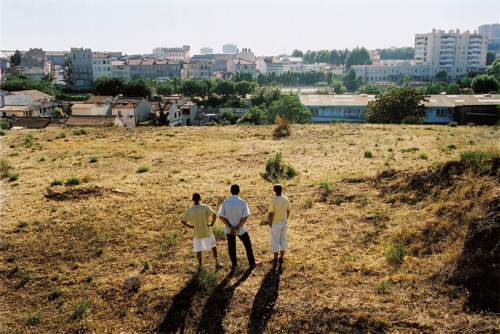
(43,159)
(307,203)
(282,127)
(72,181)
(277,169)
(14,177)
(453,124)
(78,131)
(28,139)
(471,124)
(94,158)
(2,132)
(395,254)
(5,167)
(57,183)
(6,124)
(423,156)
(61,134)
(170,240)
(368,154)
(206,279)
(146,264)
(54,294)
(475,160)
(382,286)
(451,146)
(33,319)
(81,308)
(412,120)
(142,169)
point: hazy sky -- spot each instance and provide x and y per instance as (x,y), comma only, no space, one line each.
(268,27)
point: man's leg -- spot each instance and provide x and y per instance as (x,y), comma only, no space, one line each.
(231,249)
(198,256)
(245,238)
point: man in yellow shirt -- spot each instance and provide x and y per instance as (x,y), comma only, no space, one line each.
(279,211)
(203,238)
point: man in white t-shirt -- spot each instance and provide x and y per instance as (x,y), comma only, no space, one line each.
(234,213)
(279,211)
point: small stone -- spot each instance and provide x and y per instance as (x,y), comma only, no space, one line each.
(132,283)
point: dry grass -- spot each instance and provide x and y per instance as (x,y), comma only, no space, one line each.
(346,211)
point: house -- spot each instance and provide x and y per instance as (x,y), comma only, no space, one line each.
(269,64)
(27,103)
(101,64)
(91,121)
(131,110)
(239,64)
(200,68)
(91,109)
(292,64)
(188,113)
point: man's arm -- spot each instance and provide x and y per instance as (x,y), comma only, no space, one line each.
(214,217)
(225,221)
(271,216)
(242,221)
(186,224)
(287,213)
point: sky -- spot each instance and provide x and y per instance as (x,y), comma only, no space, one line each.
(267,27)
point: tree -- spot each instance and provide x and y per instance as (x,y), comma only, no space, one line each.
(453,88)
(243,76)
(369,89)
(297,53)
(15,59)
(406,81)
(433,88)
(165,89)
(358,57)
(338,87)
(253,116)
(442,76)
(394,106)
(228,117)
(289,108)
(349,80)
(484,84)
(58,112)
(490,58)
(139,87)
(244,87)
(494,69)
(105,85)
(194,87)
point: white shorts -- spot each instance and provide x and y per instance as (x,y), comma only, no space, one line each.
(278,237)
(203,244)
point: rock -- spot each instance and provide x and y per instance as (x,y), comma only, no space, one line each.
(478,264)
(132,283)
(50,192)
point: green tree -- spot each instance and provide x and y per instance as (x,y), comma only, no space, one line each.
(494,69)
(105,85)
(453,88)
(228,117)
(297,53)
(358,57)
(253,116)
(349,80)
(369,89)
(139,87)
(289,108)
(243,76)
(394,106)
(338,87)
(406,81)
(15,59)
(442,76)
(244,87)
(433,88)
(490,58)
(58,112)
(165,89)
(194,88)
(484,84)
(398,53)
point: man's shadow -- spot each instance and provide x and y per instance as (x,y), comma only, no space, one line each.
(217,304)
(176,317)
(265,299)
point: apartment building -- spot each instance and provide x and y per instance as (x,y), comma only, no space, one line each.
(454,52)
(200,68)
(175,54)
(269,64)
(238,64)
(493,32)
(229,48)
(206,50)
(101,64)
(81,67)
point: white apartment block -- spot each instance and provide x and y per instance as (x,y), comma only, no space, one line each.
(175,54)
(229,48)
(206,50)
(101,64)
(454,52)
(200,68)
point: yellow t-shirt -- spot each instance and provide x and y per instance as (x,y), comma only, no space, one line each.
(279,206)
(199,215)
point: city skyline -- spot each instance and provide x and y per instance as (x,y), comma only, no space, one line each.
(267,28)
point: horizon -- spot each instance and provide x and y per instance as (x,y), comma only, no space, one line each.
(383,24)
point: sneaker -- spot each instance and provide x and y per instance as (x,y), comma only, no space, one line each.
(256,264)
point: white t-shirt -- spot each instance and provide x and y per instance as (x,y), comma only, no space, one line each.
(234,209)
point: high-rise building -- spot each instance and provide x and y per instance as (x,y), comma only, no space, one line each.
(206,50)
(454,52)
(229,48)
(493,31)
(81,67)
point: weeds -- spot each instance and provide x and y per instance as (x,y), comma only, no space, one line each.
(93,159)
(170,240)
(14,177)
(78,132)
(142,169)
(72,181)
(218,232)
(57,183)
(307,203)
(451,146)
(33,319)
(277,169)
(81,309)
(54,294)
(423,156)
(395,254)
(61,134)
(368,154)
(282,127)
(206,279)
(146,264)
(453,124)
(382,286)
(476,160)
(28,140)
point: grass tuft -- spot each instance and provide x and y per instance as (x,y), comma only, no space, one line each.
(142,169)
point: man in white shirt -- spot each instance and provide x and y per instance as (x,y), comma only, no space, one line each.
(234,213)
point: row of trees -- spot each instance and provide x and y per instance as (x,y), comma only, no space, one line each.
(356,56)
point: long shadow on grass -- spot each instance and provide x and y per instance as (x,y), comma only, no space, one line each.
(263,305)
(217,304)
(176,317)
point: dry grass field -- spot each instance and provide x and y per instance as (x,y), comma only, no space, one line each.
(64,258)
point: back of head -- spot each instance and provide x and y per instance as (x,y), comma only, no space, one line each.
(278,189)
(235,189)
(196,197)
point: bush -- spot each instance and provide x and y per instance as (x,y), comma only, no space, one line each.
(395,254)
(277,169)
(412,120)
(282,127)
(14,177)
(62,134)
(451,146)
(6,124)
(33,319)
(72,181)
(28,139)
(476,160)
(471,124)
(5,167)
(368,154)
(206,279)
(81,308)
(142,169)
(423,156)
(218,232)
(57,183)
(2,132)
(78,132)
(94,158)
(453,124)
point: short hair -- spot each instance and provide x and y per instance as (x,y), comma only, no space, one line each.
(278,189)
(196,197)
(235,189)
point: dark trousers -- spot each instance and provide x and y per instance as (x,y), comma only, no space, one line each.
(231,248)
